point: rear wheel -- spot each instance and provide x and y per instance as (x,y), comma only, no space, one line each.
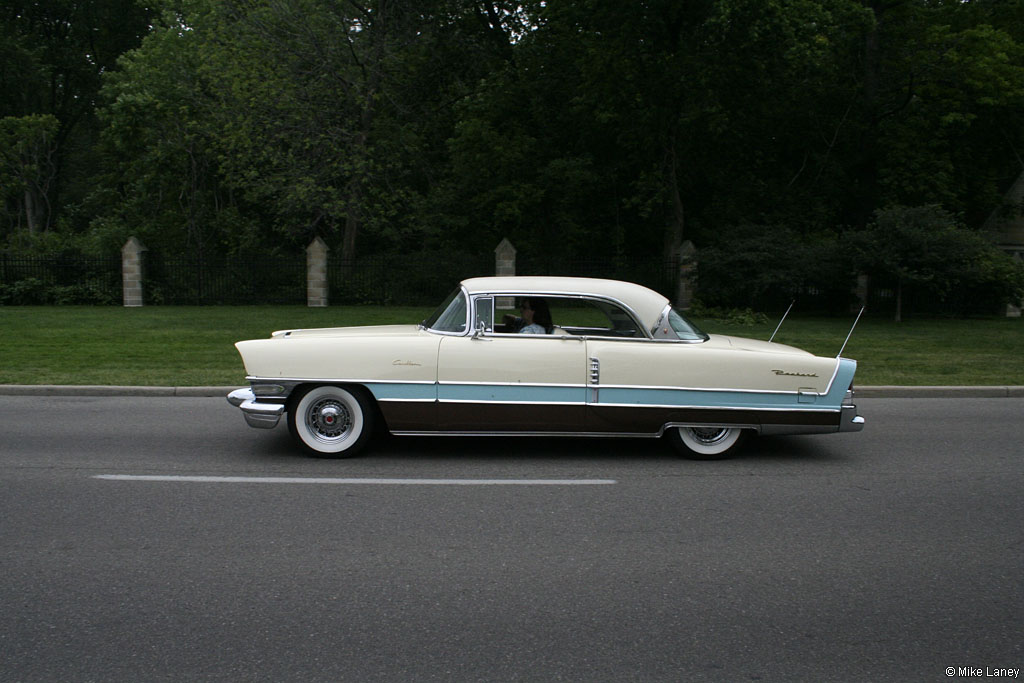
(706,443)
(330,421)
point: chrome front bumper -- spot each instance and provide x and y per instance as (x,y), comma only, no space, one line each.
(261,415)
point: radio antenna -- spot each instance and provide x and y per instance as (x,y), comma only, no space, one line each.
(851,331)
(782,321)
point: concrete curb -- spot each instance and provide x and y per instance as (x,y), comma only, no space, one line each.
(101,390)
(939,392)
(221,392)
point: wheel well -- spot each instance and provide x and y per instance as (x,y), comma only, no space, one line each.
(301,389)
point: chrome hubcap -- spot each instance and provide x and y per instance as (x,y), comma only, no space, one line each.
(709,436)
(328,419)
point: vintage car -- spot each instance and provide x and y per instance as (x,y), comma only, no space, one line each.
(588,357)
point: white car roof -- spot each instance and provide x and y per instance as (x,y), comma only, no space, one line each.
(645,302)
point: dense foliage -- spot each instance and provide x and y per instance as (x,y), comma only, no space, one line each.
(794,142)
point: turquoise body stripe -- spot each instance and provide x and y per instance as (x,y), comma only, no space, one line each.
(620,395)
(705,399)
(403,392)
(511,393)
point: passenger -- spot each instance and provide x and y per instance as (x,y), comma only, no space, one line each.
(536,317)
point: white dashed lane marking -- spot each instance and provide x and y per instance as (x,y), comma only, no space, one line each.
(353,481)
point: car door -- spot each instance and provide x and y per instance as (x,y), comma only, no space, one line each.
(494,382)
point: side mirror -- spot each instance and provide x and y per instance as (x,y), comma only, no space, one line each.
(478,333)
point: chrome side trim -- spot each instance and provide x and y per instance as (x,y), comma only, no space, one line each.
(595,435)
(672,425)
(485,401)
(295,381)
(406,400)
(765,409)
(508,384)
(675,388)
(611,435)
(290,383)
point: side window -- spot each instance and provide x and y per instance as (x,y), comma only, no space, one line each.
(484,314)
(622,323)
(573,315)
(593,318)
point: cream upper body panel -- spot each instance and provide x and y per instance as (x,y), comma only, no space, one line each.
(513,359)
(360,331)
(719,363)
(382,353)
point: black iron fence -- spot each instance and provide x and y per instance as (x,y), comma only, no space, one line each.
(233,280)
(414,279)
(60,279)
(408,279)
(420,279)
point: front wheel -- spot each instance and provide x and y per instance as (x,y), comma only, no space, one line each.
(330,421)
(706,443)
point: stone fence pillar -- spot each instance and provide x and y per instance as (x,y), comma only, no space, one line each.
(687,255)
(505,264)
(316,274)
(131,271)
(504,258)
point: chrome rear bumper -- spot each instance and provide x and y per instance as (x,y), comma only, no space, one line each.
(260,415)
(849,420)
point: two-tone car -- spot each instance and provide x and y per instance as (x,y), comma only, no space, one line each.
(609,359)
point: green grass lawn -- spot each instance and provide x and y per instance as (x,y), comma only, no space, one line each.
(192,346)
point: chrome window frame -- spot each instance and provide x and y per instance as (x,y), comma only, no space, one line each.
(467,328)
(663,320)
(494,295)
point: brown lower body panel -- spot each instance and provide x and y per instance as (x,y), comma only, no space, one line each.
(594,419)
(482,417)
(510,417)
(641,420)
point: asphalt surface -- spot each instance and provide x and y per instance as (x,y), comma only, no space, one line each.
(162,539)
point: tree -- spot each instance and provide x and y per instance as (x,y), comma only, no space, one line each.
(52,56)
(924,247)
(28,166)
(303,88)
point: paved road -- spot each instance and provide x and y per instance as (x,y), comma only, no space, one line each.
(887,555)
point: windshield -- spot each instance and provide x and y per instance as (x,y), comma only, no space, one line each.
(450,316)
(684,329)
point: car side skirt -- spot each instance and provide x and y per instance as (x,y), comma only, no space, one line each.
(417,418)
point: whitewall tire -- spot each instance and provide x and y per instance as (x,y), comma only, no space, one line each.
(331,421)
(706,443)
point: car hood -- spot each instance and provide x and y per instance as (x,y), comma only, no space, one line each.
(364,331)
